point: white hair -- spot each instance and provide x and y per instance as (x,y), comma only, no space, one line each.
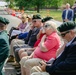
(52,24)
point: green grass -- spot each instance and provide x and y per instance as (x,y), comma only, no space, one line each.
(53,13)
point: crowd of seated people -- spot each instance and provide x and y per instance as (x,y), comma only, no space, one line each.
(65,62)
(38,49)
(29,41)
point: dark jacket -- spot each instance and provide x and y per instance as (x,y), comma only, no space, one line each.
(65,62)
(32,37)
(4,49)
(69,15)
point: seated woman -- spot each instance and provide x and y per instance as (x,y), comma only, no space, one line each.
(24,35)
(46,50)
(22,27)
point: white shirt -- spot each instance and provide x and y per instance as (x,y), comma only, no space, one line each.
(66,14)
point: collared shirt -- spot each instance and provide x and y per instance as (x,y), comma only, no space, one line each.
(66,46)
(66,14)
(70,42)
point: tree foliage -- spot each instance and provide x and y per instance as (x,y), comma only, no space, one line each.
(37,4)
(71,2)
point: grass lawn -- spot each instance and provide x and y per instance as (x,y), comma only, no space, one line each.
(53,13)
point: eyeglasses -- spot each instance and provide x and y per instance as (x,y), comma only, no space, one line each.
(63,34)
(45,26)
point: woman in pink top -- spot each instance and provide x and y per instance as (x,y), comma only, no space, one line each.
(51,43)
(45,51)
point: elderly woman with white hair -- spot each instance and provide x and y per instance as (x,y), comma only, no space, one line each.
(46,49)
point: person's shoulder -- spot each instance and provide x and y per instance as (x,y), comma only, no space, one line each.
(71,10)
(73,44)
(64,10)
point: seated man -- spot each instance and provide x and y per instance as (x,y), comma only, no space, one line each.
(66,62)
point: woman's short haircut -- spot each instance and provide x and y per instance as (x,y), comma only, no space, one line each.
(52,25)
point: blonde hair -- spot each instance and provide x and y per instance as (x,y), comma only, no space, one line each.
(68,4)
(24,16)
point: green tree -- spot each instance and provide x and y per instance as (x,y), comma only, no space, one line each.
(31,3)
(12,3)
(71,2)
(36,3)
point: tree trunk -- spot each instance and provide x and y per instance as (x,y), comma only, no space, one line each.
(38,7)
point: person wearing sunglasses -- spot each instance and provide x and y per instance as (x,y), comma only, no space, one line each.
(45,50)
(65,64)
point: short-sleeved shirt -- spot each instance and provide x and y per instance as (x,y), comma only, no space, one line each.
(52,43)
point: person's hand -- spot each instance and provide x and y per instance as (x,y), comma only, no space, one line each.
(42,65)
(32,27)
(44,37)
(66,20)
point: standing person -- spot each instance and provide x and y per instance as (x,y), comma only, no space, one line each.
(67,14)
(4,43)
(65,64)
(74,8)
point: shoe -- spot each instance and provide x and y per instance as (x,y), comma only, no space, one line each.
(11,59)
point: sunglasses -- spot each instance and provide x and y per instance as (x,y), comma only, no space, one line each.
(46,26)
(63,34)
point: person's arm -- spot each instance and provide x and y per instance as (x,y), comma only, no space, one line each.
(61,49)
(38,35)
(66,62)
(31,56)
(28,36)
(48,44)
(42,46)
(71,14)
(31,49)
